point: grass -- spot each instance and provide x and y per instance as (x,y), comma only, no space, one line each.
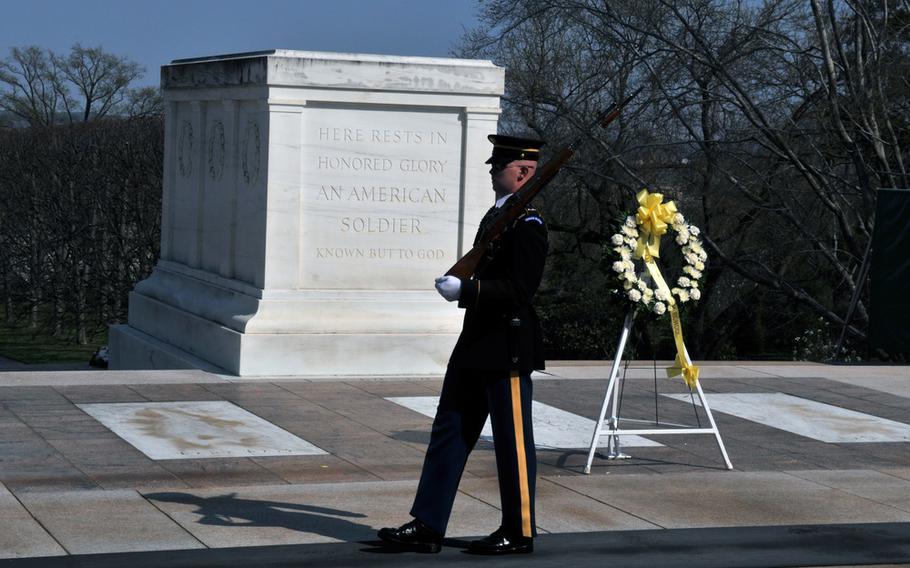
(36,346)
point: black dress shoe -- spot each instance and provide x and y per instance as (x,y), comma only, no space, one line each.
(501,543)
(414,536)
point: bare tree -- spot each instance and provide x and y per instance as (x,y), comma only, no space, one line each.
(33,86)
(774,125)
(41,87)
(100,81)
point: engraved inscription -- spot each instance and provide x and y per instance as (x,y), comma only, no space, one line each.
(380,225)
(380,253)
(383,135)
(382,192)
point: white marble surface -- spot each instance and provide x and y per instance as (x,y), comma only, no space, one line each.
(309,195)
(197,429)
(380,197)
(808,418)
(553,428)
(342,71)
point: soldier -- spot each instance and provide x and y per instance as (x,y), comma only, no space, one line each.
(489,373)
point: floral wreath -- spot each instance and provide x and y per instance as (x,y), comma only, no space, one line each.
(627,245)
(639,239)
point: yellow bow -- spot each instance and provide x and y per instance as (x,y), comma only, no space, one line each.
(688,371)
(653,216)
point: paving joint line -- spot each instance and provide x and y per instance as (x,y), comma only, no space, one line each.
(595,499)
(57,450)
(354,420)
(366,471)
(844,491)
(40,524)
(311,401)
(485,502)
(173,520)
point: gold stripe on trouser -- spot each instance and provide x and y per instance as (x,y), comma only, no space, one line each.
(518,423)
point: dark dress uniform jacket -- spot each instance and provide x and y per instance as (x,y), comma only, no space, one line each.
(501,290)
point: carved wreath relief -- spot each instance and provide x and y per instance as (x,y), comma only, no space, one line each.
(216,150)
(185,149)
(250,153)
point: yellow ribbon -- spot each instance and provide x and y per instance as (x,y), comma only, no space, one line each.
(653,217)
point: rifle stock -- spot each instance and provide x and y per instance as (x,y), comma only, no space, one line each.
(467,265)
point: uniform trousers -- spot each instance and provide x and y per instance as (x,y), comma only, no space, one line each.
(468,397)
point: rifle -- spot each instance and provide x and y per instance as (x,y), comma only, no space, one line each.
(467,265)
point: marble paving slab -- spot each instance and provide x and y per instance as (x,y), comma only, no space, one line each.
(197,429)
(730,498)
(21,536)
(93,521)
(553,428)
(558,509)
(816,420)
(307,514)
(874,485)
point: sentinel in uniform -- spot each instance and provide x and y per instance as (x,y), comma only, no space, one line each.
(489,373)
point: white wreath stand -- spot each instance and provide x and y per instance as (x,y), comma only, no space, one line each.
(612,429)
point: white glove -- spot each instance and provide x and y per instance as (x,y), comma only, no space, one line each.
(449,287)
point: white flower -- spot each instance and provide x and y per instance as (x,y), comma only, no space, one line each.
(634,295)
(647,294)
(695,293)
(630,221)
(683,296)
(679,219)
(689,270)
(619,266)
(631,243)
(642,285)
(630,276)
(616,240)
(682,238)
(693,284)
(691,258)
(702,256)
(627,285)
(629,231)
(625,254)
(695,274)
(699,265)
(696,247)
(660,295)
(659,308)
(694,230)
(684,282)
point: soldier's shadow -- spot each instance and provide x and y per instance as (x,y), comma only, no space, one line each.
(230,511)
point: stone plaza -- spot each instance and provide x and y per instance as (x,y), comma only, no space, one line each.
(174,468)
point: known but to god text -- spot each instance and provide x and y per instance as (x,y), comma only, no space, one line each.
(380,253)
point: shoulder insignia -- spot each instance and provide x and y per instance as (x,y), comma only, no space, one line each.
(534,218)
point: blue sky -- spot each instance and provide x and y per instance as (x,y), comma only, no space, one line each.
(154,33)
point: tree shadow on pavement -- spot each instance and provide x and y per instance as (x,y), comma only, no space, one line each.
(230,511)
